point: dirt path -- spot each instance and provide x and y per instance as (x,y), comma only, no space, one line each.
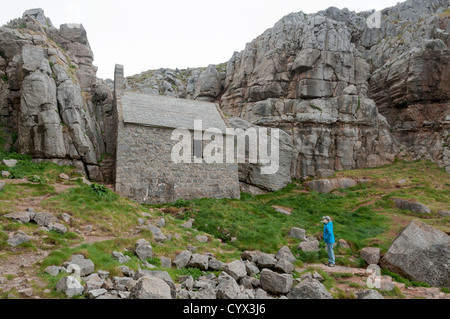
(368,203)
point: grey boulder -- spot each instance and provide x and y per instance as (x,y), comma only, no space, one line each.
(309,289)
(275,283)
(70,286)
(414,207)
(150,287)
(421,253)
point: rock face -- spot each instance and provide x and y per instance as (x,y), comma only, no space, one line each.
(421,253)
(308,76)
(50,96)
(251,174)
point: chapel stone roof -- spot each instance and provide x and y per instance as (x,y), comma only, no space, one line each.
(170,112)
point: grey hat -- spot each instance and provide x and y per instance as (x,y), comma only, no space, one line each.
(327,218)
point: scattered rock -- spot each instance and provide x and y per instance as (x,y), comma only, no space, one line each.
(312,245)
(64,177)
(2,185)
(285,253)
(158,235)
(53,270)
(44,219)
(275,283)
(66,217)
(57,227)
(121,258)
(371,255)
(235,269)
(6,174)
(309,289)
(70,286)
(414,207)
(266,260)
(93,282)
(199,261)
(368,294)
(103,274)
(284,266)
(143,249)
(344,244)
(150,287)
(444,213)
(95,293)
(228,288)
(18,238)
(317,277)
(251,256)
(251,268)
(86,265)
(10,163)
(182,259)
(27,292)
(215,264)
(202,238)
(161,222)
(187,224)
(298,233)
(23,217)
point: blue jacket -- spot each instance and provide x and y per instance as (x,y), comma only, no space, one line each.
(328,235)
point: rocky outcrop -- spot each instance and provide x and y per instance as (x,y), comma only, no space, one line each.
(421,253)
(50,96)
(251,173)
(410,82)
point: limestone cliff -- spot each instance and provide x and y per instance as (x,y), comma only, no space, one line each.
(50,97)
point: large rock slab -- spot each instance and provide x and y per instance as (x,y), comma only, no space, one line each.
(414,207)
(421,253)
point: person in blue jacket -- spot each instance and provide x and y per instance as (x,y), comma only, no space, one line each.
(328,237)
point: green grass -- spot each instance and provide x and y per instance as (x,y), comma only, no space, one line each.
(256,225)
(400,279)
(93,205)
(25,167)
(315,107)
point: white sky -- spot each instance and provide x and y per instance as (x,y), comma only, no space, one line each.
(144,35)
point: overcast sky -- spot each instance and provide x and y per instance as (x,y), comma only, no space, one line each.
(145,35)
